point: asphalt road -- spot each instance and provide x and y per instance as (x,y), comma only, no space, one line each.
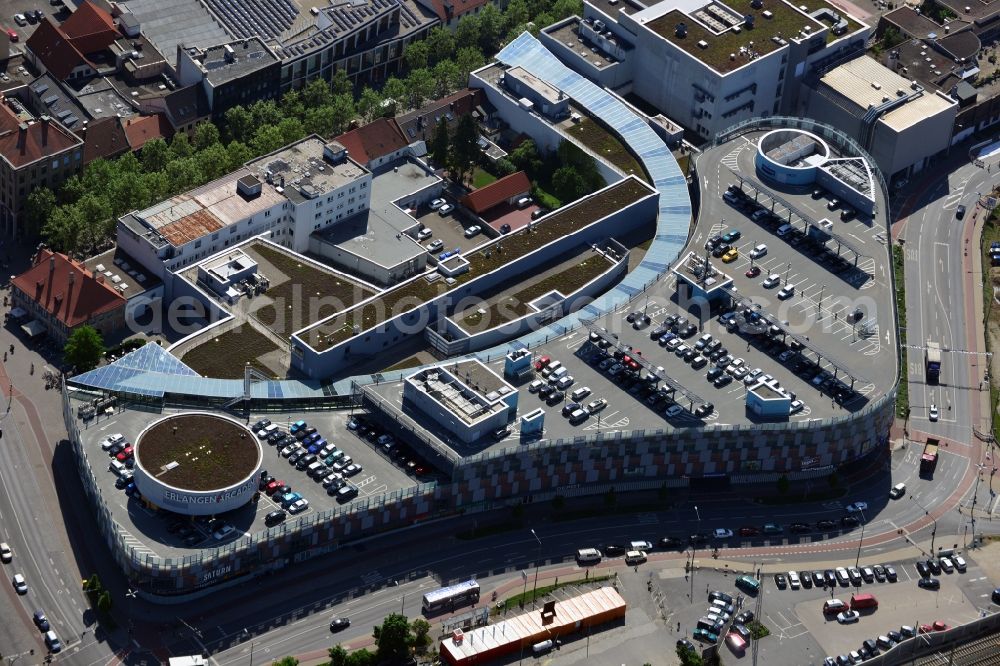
(938,279)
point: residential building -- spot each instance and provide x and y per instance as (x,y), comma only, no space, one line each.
(63,49)
(231,74)
(421,124)
(104,139)
(506,190)
(34,152)
(288,194)
(378,143)
(901,124)
(141,129)
(60,295)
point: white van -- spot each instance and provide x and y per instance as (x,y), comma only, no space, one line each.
(783,230)
(551,367)
(580,393)
(117,467)
(588,556)
(635,557)
(758,251)
(558,374)
(264,432)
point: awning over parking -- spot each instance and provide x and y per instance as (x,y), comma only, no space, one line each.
(33,328)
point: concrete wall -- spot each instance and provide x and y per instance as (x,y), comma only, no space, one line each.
(609,75)
(914,146)
(369,343)
(693,94)
(466,432)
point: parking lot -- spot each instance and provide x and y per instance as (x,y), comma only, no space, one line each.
(827,339)
(23,7)
(166,534)
(799,631)
(449,229)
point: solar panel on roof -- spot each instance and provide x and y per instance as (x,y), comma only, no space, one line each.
(70,120)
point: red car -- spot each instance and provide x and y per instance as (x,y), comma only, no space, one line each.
(542,362)
(273,486)
(13,35)
(937,626)
(749,531)
(125,454)
(753,272)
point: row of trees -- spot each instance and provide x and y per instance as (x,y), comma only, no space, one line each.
(81,217)
(569,173)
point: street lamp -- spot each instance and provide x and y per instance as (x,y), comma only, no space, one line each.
(857,560)
(402,601)
(927,513)
(534,588)
(130,594)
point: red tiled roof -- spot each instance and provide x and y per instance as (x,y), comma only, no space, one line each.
(104,137)
(146,128)
(48,284)
(54,49)
(421,123)
(450,9)
(374,140)
(89,20)
(497,192)
(36,141)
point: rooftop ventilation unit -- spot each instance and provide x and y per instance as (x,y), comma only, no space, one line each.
(768,14)
(736,30)
(748,21)
(876,85)
(681,30)
(756,4)
(702,44)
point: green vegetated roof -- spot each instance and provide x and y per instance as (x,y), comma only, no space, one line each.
(307,296)
(786,22)
(211,452)
(508,308)
(224,356)
(416,292)
(591,134)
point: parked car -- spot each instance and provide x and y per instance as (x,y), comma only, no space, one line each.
(473,230)
(445,209)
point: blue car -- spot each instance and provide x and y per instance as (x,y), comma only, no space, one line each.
(667,337)
(298,425)
(315,437)
(290,498)
(318,445)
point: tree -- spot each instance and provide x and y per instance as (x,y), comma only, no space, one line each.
(469,59)
(369,105)
(320,93)
(421,633)
(154,155)
(396,93)
(440,144)
(688,656)
(237,123)
(206,134)
(563,8)
(415,55)
(526,158)
(446,74)
(341,83)
(180,147)
(84,348)
(95,210)
(361,657)
(440,45)
(238,154)
(516,15)
(63,227)
(491,28)
(213,162)
(393,638)
(263,113)
(464,147)
(568,184)
(93,584)
(467,32)
(338,656)
(421,85)
(285,661)
(104,602)
(39,206)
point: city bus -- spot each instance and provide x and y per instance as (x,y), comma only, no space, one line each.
(451,597)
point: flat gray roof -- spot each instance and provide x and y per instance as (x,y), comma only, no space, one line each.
(307,175)
(249,55)
(373,233)
(168,23)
